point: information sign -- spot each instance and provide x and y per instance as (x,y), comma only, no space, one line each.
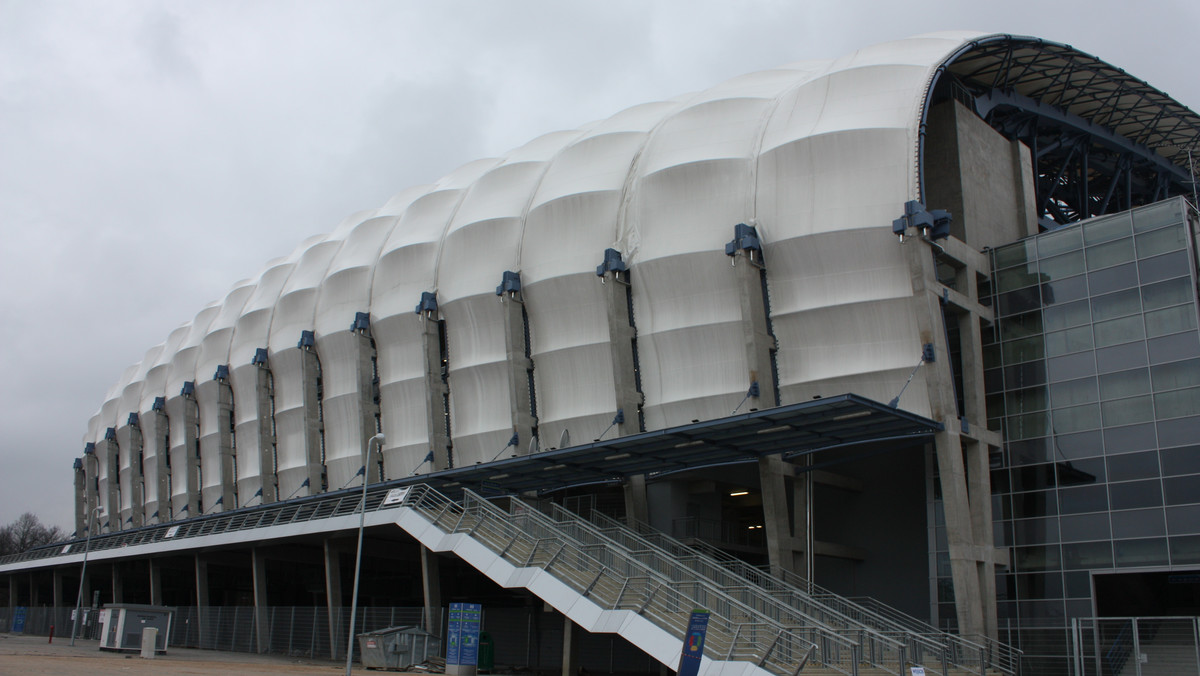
(693,644)
(462,646)
(18,625)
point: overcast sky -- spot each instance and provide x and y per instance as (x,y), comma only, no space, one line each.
(153,153)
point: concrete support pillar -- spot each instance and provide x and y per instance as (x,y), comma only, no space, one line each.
(961,448)
(156,449)
(13,601)
(33,591)
(58,599)
(368,395)
(81,496)
(264,405)
(437,389)
(184,414)
(333,599)
(201,596)
(258,571)
(519,364)
(118,584)
(431,586)
(108,452)
(156,598)
(622,347)
(314,427)
(570,652)
(217,462)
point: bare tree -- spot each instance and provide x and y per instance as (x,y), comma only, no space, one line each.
(25,533)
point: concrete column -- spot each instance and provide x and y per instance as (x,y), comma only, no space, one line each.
(58,600)
(437,388)
(368,389)
(91,469)
(156,598)
(519,364)
(258,571)
(333,599)
(570,651)
(132,432)
(81,496)
(314,430)
(214,399)
(201,596)
(431,586)
(108,452)
(118,584)
(156,448)
(264,404)
(184,414)
(33,591)
(12,593)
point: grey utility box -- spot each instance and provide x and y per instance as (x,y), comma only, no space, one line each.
(121,626)
(397,647)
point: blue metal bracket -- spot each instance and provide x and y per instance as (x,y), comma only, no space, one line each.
(934,223)
(307,339)
(110,434)
(362,322)
(927,353)
(260,357)
(78,464)
(160,404)
(222,372)
(510,282)
(189,388)
(428,304)
(745,238)
(612,263)
(89,448)
(133,419)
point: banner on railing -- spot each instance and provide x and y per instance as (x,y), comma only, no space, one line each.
(693,644)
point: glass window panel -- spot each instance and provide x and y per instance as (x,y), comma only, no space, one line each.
(1087,555)
(1127,411)
(1066,315)
(1120,304)
(1174,347)
(1120,357)
(1064,290)
(1112,279)
(1080,472)
(1021,300)
(1017,278)
(1185,519)
(1117,331)
(1130,466)
(1129,438)
(1100,230)
(1073,392)
(1182,490)
(1076,419)
(1059,241)
(1035,531)
(1166,266)
(1081,445)
(1029,451)
(1015,254)
(1021,326)
(1043,557)
(1150,552)
(1080,527)
(1062,267)
(1156,215)
(991,356)
(1168,293)
(993,380)
(1033,478)
(1176,375)
(1071,366)
(1125,383)
(995,405)
(1178,432)
(1138,523)
(1071,340)
(1039,586)
(1028,426)
(1026,349)
(1078,585)
(1110,254)
(1135,494)
(1083,499)
(1025,375)
(1034,504)
(1027,400)
(1182,460)
(1177,403)
(1185,550)
(1161,241)
(1170,320)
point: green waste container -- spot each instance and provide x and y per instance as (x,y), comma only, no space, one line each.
(487,652)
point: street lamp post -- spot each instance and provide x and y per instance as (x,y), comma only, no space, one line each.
(362,517)
(93,513)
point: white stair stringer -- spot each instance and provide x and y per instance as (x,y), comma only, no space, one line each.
(629,625)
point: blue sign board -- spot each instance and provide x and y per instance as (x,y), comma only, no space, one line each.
(462,646)
(19,620)
(693,644)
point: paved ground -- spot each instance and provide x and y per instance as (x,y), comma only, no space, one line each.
(32,656)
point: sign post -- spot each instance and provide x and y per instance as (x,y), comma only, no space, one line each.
(462,640)
(693,643)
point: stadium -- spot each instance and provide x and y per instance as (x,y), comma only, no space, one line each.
(886,360)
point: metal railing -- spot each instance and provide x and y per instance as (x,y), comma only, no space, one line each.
(1135,646)
(617,582)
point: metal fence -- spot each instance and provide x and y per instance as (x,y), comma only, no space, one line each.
(1136,646)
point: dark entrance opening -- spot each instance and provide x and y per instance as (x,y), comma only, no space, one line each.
(1153,594)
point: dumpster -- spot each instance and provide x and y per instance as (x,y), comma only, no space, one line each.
(487,653)
(397,647)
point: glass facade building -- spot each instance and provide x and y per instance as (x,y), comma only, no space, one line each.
(1093,377)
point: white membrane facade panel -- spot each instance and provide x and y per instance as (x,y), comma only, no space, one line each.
(345,291)
(294,314)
